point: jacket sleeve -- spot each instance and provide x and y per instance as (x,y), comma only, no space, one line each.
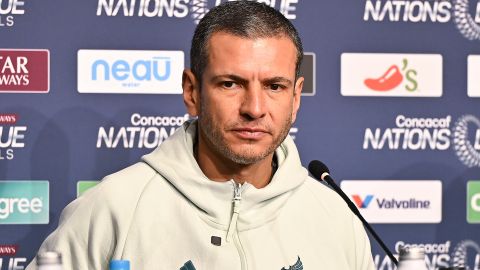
(363,258)
(93,229)
(86,235)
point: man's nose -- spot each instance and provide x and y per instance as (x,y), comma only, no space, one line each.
(254,103)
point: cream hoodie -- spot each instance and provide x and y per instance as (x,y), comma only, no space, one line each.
(164,213)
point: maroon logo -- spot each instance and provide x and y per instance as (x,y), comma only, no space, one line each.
(8,250)
(8,118)
(24,71)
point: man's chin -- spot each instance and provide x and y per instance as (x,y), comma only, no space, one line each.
(247,158)
(242,160)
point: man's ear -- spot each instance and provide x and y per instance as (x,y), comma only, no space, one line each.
(296,97)
(191,92)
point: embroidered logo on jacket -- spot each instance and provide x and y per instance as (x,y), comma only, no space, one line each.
(189,266)
(297,266)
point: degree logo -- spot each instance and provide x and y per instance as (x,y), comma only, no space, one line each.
(473,202)
(362,203)
(393,78)
(24,202)
(391,74)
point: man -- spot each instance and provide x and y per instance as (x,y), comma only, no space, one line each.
(227,191)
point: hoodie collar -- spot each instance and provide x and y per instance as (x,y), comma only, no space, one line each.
(174,160)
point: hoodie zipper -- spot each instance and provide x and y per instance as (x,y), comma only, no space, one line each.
(237,200)
(232,228)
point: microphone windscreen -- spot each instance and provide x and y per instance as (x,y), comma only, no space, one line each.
(317,168)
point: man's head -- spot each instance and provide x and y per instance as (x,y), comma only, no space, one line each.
(244,19)
(244,84)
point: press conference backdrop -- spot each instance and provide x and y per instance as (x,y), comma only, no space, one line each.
(391,104)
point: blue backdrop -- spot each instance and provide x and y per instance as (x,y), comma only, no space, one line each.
(62,140)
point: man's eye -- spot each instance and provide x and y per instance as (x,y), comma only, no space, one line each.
(228,84)
(275,87)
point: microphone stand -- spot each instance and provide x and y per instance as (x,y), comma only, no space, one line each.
(326,177)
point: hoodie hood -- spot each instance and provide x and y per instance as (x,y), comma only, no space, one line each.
(174,160)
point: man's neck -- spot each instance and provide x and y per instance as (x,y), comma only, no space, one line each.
(220,169)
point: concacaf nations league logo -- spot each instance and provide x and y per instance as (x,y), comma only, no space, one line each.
(198,9)
(467,153)
(460,255)
(464,21)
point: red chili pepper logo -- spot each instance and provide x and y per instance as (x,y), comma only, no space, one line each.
(389,80)
(393,77)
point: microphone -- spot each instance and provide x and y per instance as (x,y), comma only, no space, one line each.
(320,172)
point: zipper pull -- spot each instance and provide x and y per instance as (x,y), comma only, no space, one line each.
(237,199)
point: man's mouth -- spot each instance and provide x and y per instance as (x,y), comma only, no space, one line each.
(250,133)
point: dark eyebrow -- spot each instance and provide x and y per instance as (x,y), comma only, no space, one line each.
(231,77)
(275,80)
(241,80)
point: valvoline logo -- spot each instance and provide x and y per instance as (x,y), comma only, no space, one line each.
(396,201)
(362,203)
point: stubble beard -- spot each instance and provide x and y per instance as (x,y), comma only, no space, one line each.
(247,156)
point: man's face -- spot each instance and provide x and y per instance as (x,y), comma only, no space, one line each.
(248,97)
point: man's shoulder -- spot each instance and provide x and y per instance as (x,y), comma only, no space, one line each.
(117,194)
(135,174)
(126,184)
(326,197)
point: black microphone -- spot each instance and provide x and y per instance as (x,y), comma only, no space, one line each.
(320,172)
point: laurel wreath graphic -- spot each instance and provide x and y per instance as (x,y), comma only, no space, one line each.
(464,21)
(198,9)
(463,148)
(460,254)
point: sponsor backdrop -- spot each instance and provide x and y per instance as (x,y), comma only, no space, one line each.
(391,104)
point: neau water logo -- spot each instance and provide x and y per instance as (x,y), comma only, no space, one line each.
(9,9)
(362,203)
(12,136)
(24,71)
(424,11)
(24,202)
(398,75)
(397,201)
(130,72)
(144,132)
(473,80)
(179,8)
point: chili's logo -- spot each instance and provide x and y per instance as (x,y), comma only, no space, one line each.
(394,77)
